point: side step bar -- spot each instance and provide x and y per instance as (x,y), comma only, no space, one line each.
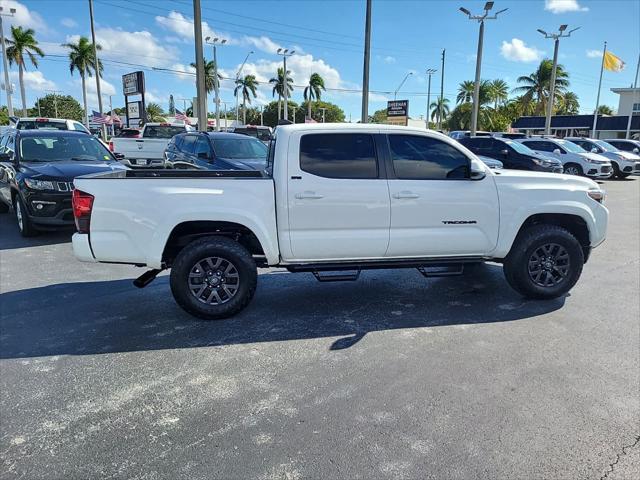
(336,277)
(441,270)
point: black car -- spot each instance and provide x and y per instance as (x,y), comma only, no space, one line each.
(512,154)
(215,151)
(37,168)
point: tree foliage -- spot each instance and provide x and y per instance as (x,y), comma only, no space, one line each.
(68,107)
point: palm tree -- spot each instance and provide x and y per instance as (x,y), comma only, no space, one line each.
(605,110)
(247,86)
(435,108)
(313,90)
(155,113)
(568,104)
(81,58)
(537,85)
(21,43)
(210,82)
(278,83)
(465,92)
(498,92)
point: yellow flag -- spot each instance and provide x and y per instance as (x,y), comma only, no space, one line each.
(613,63)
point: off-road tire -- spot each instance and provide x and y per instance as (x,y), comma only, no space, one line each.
(209,247)
(529,241)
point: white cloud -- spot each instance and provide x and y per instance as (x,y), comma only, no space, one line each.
(33,81)
(136,47)
(263,43)
(389,59)
(517,51)
(69,22)
(562,6)
(106,89)
(594,53)
(182,26)
(23,16)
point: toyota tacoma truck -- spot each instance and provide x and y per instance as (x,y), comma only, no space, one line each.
(335,200)
(147,150)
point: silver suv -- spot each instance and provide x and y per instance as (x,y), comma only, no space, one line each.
(623,163)
(575,159)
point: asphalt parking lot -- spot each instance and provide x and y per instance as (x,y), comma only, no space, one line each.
(393,376)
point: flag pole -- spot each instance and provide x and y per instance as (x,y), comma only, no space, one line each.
(595,112)
(633,101)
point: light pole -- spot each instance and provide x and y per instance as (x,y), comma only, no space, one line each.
(216,88)
(97,62)
(238,78)
(285,53)
(556,40)
(323,110)
(261,115)
(440,105)
(201,92)
(295,109)
(55,102)
(365,67)
(7,83)
(430,71)
(476,86)
(395,94)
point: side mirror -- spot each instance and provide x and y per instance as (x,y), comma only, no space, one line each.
(594,150)
(557,151)
(478,171)
(505,152)
(119,156)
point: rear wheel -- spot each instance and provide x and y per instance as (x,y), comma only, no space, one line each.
(213,278)
(573,169)
(545,262)
(25,225)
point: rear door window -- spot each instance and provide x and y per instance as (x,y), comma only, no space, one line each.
(188,144)
(339,155)
(417,157)
(201,146)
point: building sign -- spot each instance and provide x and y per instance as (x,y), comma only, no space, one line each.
(134,111)
(398,112)
(133,83)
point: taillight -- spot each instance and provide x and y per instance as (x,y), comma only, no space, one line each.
(82,203)
(111,146)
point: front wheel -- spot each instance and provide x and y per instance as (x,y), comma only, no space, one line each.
(25,225)
(573,169)
(213,278)
(545,262)
(617,172)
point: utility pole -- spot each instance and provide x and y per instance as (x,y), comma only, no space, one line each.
(285,53)
(216,87)
(7,83)
(323,111)
(295,109)
(238,78)
(38,102)
(595,111)
(430,71)
(95,57)
(395,94)
(55,101)
(476,86)
(556,40)
(444,51)
(113,127)
(201,91)
(261,115)
(633,102)
(365,68)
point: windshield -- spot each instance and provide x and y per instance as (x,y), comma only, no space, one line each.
(41,125)
(607,147)
(57,148)
(520,148)
(571,147)
(162,131)
(239,148)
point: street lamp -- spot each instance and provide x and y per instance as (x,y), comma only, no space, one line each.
(216,88)
(285,53)
(238,78)
(7,83)
(476,87)
(430,71)
(556,37)
(395,94)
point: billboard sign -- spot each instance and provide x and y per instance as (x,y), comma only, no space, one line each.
(133,83)
(398,112)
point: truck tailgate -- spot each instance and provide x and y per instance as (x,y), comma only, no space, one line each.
(140,147)
(132,218)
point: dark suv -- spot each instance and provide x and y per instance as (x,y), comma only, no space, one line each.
(37,168)
(512,154)
(215,151)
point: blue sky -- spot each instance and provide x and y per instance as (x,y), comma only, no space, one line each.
(407,36)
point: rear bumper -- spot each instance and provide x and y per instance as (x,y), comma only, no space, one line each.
(82,248)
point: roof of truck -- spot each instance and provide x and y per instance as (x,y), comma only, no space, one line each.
(313,127)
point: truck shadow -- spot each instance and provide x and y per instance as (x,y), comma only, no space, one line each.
(113,316)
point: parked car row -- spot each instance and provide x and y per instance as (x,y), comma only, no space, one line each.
(574,156)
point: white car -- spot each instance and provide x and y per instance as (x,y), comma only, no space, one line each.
(575,159)
(36,123)
(624,163)
(340,198)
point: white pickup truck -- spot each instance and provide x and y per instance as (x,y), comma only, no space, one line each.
(147,151)
(340,198)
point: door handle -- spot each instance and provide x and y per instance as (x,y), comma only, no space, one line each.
(308,194)
(405,194)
